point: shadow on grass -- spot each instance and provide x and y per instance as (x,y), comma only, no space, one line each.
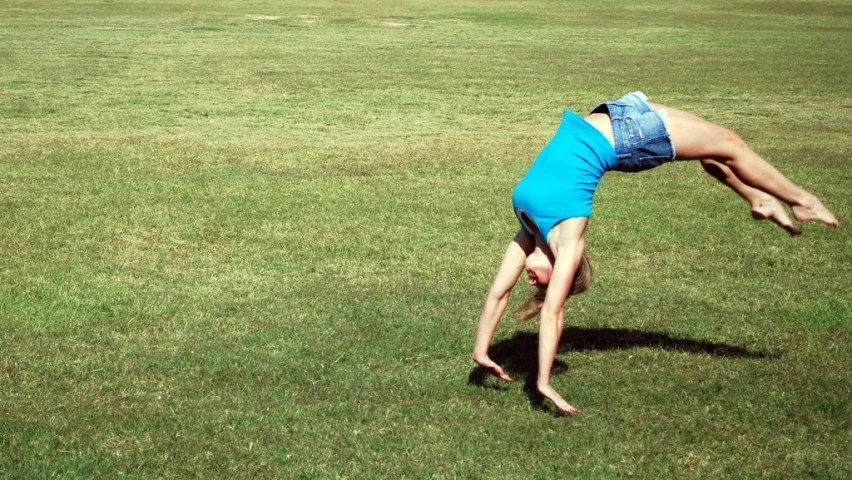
(518,356)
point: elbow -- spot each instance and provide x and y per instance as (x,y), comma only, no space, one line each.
(498,294)
(548,315)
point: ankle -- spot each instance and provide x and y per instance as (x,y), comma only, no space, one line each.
(761,200)
(805,200)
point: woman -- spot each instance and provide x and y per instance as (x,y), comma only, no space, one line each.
(553,204)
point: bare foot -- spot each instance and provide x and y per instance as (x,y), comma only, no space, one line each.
(817,211)
(770,208)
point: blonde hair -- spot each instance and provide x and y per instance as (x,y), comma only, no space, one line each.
(582,282)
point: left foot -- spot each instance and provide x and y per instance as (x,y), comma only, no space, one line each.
(817,211)
(770,208)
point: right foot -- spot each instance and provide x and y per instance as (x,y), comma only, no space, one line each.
(770,208)
(817,211)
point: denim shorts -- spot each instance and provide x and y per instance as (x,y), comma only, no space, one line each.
(642,141)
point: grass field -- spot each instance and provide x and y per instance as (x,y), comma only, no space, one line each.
(252,239)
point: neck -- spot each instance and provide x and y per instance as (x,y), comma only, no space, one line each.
(543,248)
(548,248)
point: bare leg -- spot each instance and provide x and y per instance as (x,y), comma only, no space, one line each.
(697,139)
(763,205)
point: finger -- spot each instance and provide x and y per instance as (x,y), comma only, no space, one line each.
(499,373)
(571,410)
(567,408)
(560,402)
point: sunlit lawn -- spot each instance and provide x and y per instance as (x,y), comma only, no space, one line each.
(252,240)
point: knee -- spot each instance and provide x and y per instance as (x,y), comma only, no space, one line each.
(731,137)
(730,144)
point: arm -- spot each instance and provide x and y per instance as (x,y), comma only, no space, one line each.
(498,298)
(570,243)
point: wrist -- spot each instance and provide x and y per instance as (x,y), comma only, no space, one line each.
(478,354)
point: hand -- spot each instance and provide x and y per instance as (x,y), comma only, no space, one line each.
(560,402)
(492,367)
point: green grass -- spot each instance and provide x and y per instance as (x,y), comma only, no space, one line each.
(252,240)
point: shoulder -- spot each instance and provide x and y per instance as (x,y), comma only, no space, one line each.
(567,234)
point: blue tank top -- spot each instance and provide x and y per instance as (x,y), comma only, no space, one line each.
(562,180)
